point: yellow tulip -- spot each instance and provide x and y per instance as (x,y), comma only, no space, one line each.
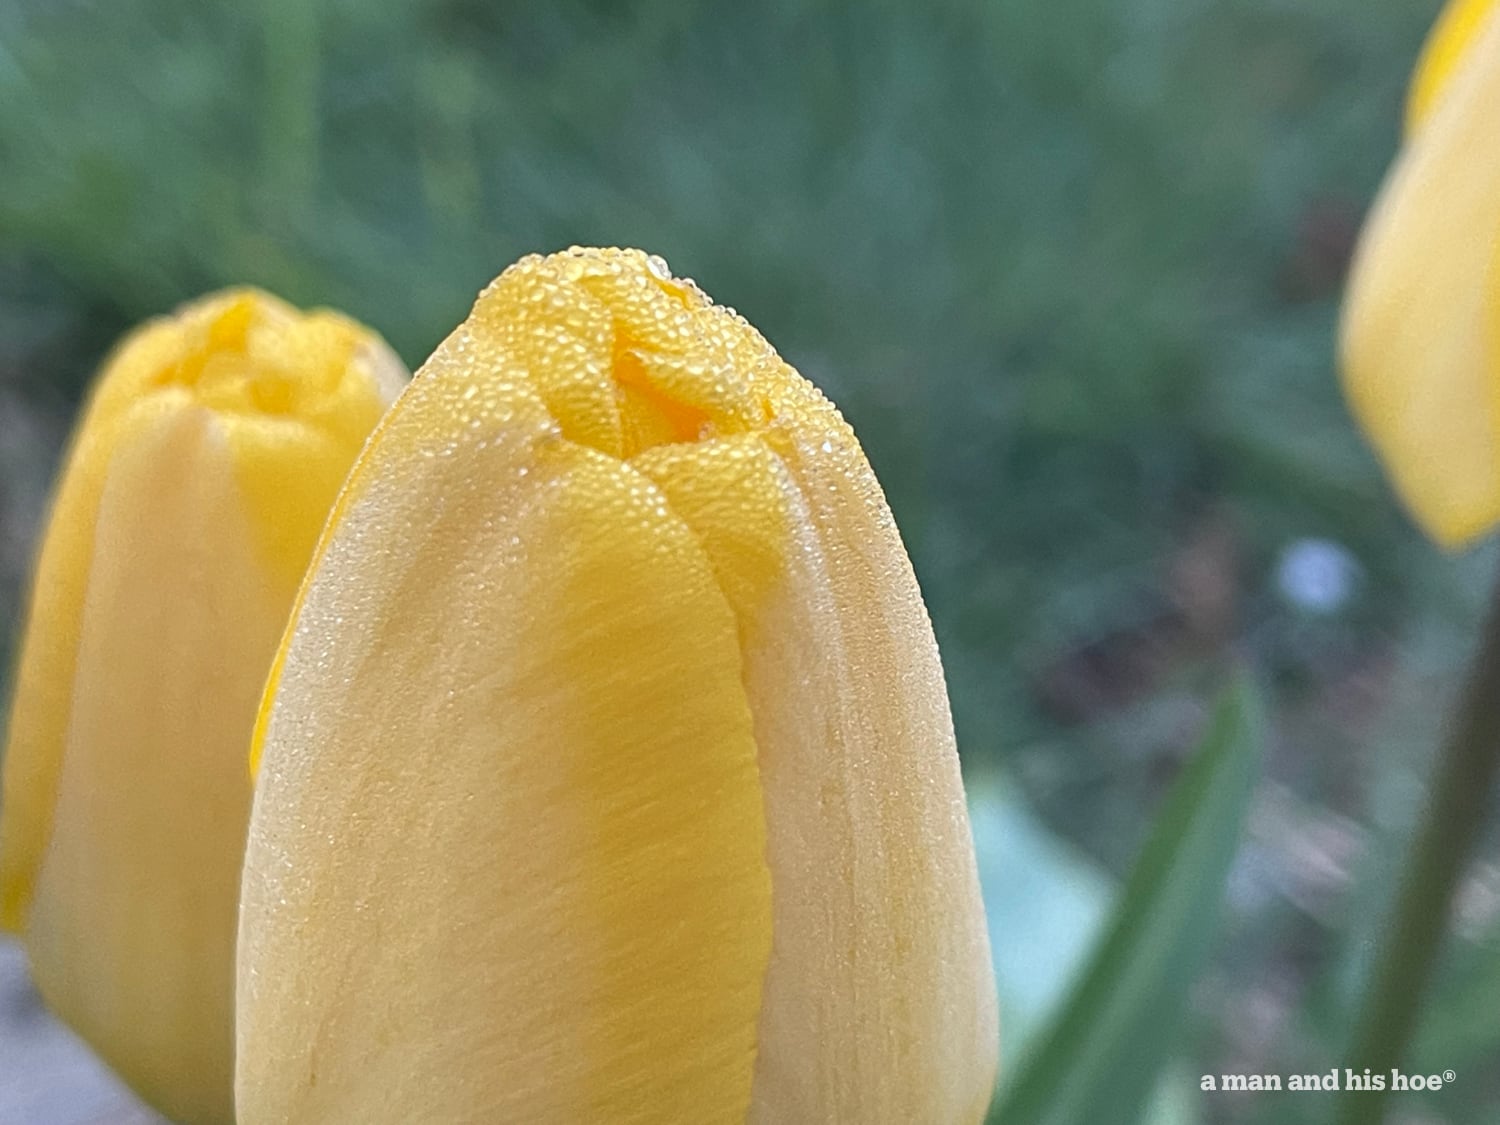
(608,772)
(205,464)
(1420,338)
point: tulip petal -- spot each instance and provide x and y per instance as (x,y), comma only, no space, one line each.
(134,962)
(881,964)
(521,714)
(1419,333)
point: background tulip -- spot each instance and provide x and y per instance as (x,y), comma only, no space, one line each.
(205,464)
(608,772)
(1421,327)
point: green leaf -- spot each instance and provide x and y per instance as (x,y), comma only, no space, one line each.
(1104,1051)
(1047,905)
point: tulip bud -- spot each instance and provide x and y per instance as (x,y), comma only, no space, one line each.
(1420,338)
(608,770)
(205,464)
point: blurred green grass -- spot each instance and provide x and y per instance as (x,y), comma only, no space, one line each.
(1070,268)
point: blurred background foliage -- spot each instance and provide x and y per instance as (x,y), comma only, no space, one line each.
(1070,267)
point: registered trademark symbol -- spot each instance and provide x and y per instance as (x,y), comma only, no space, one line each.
(1449,1076)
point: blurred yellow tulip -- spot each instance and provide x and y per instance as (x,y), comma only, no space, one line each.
(1420,338)
(608,772)
(205,464)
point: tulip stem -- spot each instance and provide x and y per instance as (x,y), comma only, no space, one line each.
(1452,822)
